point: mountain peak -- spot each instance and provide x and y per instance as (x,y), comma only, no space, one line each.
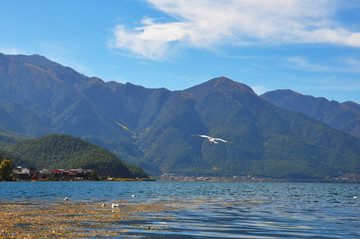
(226,82)
(352,106)
(281,93)
(219,84)
(35,59)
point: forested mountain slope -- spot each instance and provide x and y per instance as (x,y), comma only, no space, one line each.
(344,116)
(153,127)
(68,152)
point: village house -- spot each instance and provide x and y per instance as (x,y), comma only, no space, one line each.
(21,173)
(44,173)
(73,174)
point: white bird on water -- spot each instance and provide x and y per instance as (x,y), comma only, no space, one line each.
(212,139)
(115,205)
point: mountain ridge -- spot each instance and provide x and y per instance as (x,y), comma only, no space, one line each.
(153,127)
(343,116)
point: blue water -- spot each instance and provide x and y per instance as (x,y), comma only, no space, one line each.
(219,209)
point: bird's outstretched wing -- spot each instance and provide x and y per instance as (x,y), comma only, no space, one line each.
(211,138)
(201,135)
(222,140)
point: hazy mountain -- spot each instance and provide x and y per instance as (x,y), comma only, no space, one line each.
(8,138)
(344,116)
(153,127)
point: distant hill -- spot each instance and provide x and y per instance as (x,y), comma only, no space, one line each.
(8,138)
(68,152)
(153,128)
(344,116)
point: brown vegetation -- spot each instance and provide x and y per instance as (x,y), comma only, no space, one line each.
(68,219)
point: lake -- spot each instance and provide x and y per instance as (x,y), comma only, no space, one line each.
(195,209)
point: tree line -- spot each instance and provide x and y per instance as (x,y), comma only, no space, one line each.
(5,169)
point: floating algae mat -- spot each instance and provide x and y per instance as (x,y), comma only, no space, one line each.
(67,219)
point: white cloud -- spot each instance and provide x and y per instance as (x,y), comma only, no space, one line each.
(211,23)
(259,90)
(334,36)
(140,43)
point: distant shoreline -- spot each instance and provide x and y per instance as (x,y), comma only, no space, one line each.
(86,180)
(257,180)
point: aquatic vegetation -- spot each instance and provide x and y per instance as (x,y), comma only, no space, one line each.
(78,219)
(178,210)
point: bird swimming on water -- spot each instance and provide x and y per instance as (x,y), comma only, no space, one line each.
(212,139)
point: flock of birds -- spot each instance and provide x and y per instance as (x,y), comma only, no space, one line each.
(113,205)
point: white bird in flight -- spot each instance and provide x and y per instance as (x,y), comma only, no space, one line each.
(212,140)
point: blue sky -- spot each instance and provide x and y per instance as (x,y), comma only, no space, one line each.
(312,47)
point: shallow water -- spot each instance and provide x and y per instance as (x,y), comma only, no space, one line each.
(214,209)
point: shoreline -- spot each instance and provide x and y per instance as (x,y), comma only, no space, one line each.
(257,180)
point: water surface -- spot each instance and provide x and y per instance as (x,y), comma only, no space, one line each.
(215,209)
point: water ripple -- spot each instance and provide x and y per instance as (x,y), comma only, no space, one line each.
(219,210)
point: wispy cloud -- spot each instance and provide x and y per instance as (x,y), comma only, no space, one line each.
(347,65)
(210,24)
(11,51)
(339,84)
(354,63)
(302,63)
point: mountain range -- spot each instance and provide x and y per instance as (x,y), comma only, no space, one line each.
(344,116)
(154,128)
